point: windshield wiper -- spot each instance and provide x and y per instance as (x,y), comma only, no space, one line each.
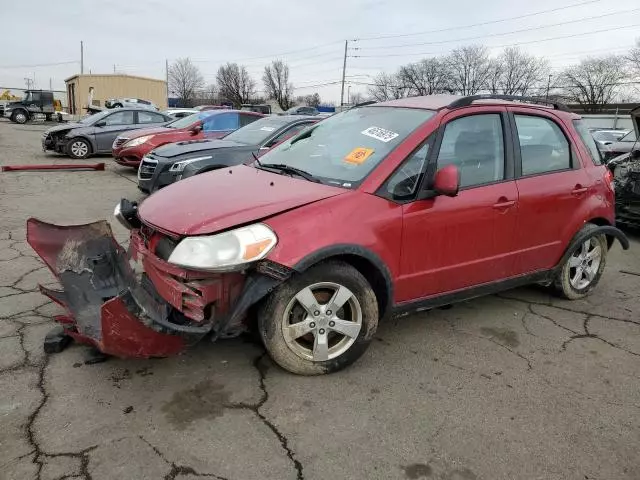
(286,168)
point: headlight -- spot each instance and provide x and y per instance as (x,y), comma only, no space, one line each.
(225,251)
(137,141)
(179,166)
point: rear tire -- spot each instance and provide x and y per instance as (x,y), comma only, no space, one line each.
(315,339)
(583,269)
(78,148)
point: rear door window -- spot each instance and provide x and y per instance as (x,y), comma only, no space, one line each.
(543,146)
(120,118)
(589,142)
(150,117)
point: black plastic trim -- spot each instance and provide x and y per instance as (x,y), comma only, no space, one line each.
(466,101)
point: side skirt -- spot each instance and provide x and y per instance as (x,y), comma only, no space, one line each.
(435,301)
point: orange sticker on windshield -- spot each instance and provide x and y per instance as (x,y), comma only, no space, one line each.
(358,155)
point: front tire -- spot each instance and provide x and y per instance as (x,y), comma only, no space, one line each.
(583,269)
(78,148)
(320,321)
(20,117)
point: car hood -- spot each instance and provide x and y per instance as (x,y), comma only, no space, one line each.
(130,134)
(67,126)
(195,146)
(227,198)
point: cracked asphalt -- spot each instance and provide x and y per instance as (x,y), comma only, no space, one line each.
(516,386)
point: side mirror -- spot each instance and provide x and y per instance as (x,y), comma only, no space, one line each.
(196,129)
(447,181)
(100,124)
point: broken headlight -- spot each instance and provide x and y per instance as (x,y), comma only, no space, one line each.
(231,250)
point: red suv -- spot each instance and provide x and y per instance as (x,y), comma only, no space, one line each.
(129,148)
(379,210)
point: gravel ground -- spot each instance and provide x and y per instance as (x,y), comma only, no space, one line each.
(515,386)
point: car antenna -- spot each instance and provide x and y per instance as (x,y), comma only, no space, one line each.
(256,159)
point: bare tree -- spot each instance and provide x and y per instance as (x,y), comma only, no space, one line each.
(469,69)
(356,98)
(184,80)
(426,77)
(495,75)
(387,86)
(633,57)
(521,72)
(276,84)
(235,84)
(312,100)
(594,82)
(210,93)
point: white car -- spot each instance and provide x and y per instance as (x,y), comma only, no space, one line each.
(130,103)
(180,112)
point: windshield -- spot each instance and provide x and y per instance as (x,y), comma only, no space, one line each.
(26,97)
(345,148)
(187,121)
(629,137)
(91,119)
(257,132)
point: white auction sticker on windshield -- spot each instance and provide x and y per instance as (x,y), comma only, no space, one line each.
(268,129)
(380,134)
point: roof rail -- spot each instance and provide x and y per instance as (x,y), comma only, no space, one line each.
(466,101)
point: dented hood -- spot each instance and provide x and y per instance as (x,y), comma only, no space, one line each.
(228,197)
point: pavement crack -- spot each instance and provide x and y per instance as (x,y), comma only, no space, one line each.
(255,408)
(179,469)
(546,317)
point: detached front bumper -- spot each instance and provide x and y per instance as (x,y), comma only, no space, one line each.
(134,304)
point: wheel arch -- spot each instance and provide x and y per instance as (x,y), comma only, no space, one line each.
(368,263)
(603,222)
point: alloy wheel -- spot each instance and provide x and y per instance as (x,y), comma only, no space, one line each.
(584,263)
(79,149)
(322,321)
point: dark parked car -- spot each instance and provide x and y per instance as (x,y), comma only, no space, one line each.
(96,133)
(176,161)
(376,211)
(129,149)
(302,110)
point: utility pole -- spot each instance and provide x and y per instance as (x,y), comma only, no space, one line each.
(344,69)
(166,74)
(81,57)
(548,85)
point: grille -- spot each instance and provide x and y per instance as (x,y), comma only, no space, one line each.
(119,141)
(147,167)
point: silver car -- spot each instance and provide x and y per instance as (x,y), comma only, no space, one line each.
(96,133)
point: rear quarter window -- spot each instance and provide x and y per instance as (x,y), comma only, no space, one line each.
(589,142)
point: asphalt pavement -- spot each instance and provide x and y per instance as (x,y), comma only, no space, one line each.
(516,386)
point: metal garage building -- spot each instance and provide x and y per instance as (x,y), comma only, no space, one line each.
(112,86)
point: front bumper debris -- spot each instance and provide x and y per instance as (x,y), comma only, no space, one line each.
(134,304)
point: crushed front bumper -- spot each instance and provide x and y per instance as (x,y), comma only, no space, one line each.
(132,303)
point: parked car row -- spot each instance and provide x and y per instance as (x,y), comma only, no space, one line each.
(357,217)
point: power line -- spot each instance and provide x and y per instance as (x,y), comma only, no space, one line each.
(40,65)
(504,45)
(529,29)
(490,22)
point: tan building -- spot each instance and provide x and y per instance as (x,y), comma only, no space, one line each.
(108,86)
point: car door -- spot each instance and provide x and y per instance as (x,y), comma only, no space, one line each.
(111,126)
(219,125)
(551,187)
(452,243)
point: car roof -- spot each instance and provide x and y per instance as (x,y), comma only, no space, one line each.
(438,102)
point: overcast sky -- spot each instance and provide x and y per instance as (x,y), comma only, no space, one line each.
(138,35)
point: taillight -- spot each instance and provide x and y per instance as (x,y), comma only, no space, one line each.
(608,180)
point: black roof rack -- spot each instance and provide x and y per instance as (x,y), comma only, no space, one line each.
(466,101)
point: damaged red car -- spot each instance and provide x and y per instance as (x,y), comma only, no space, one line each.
(380,210)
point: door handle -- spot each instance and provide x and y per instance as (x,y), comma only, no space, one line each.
(503,203)
(578,190)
